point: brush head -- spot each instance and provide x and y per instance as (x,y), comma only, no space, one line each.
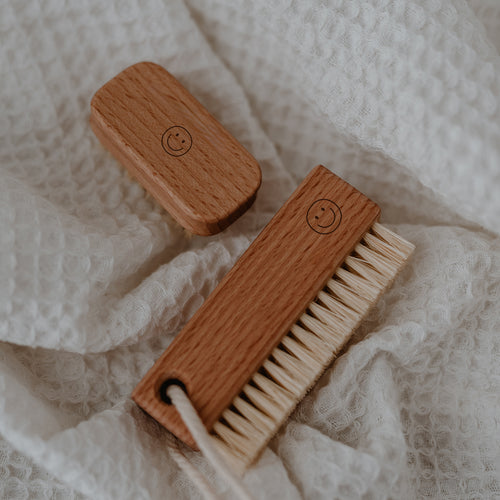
(278,318)
(310,346)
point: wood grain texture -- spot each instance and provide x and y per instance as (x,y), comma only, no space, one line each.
(256,303)
(167,140)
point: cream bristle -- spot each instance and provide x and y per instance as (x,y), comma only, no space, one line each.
(279,395)
(231,437)
(344,294)
(258,417)
(326,332)
(393,239)
(383,265)
(307,338)
(345,313)
(280,376)
(261,400)
(312,343)
(243,426)
(300,351)
(357,284)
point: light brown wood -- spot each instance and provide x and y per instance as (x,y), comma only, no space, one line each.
(256,303)
(167,140)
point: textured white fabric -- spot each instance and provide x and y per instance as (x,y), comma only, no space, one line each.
(401,98)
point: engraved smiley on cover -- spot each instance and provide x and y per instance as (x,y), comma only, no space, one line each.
(176,141)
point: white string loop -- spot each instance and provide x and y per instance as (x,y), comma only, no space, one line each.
(200,434)
(190,470)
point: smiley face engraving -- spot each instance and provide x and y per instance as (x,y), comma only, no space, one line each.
(324,216)
(176,141)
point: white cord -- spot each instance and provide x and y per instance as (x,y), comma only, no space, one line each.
(184,464)
(199,433)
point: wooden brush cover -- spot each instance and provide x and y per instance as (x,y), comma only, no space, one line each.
(167,140)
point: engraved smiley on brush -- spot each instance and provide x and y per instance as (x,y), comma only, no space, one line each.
(176,141)
(324,216)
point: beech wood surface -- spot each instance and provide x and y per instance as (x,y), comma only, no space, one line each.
(172,145)
(254,306)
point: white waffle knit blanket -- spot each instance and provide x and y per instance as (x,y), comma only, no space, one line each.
(399,97)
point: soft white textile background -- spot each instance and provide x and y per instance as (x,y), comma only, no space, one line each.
(401,98)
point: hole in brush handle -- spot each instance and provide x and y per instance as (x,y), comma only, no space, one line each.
(164,389)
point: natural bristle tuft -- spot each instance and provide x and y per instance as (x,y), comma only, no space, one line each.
(312,343)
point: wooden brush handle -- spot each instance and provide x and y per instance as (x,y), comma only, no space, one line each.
(166,139)
(253,307)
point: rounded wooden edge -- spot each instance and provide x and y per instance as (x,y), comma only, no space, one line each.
(196,223)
